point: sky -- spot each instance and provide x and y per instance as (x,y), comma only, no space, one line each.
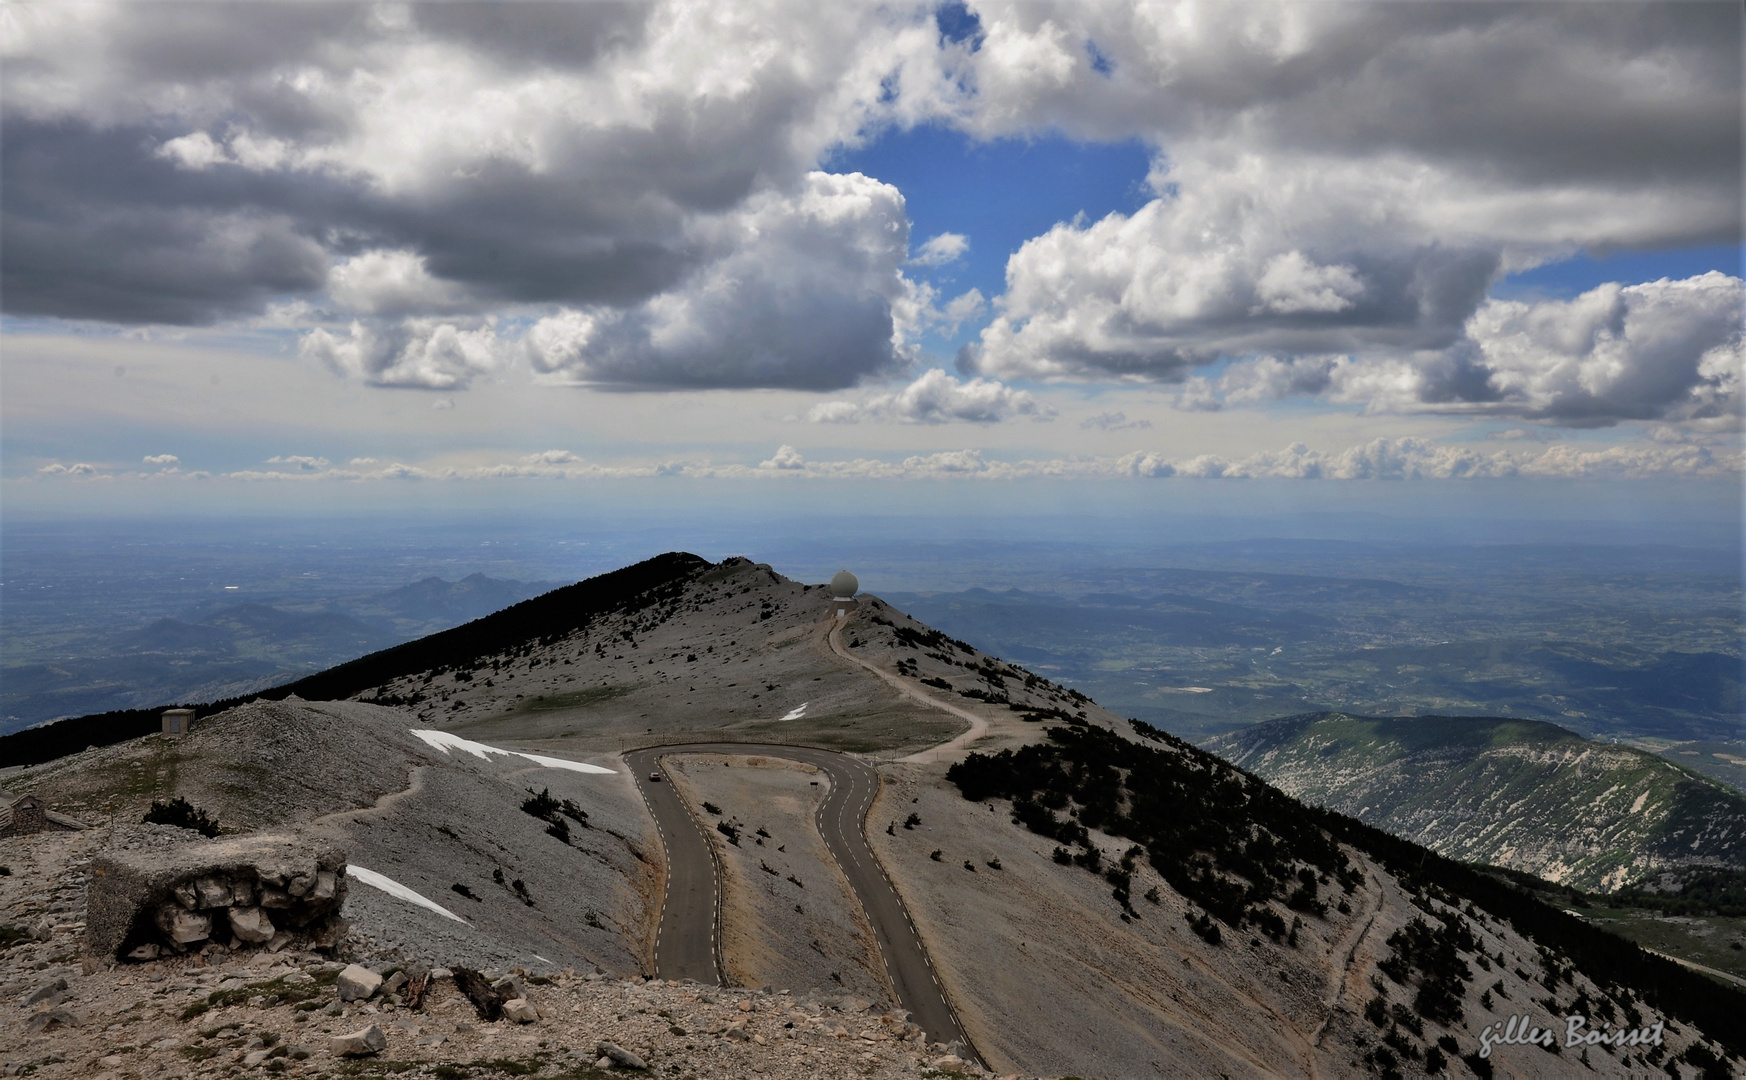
(1421,259)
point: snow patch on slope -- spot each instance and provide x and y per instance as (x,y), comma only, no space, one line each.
(444,741)
(395,889)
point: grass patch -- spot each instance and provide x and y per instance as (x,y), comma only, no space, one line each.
(574,699)
(512,1067)
(380,1068)
(286,993)
(124,781)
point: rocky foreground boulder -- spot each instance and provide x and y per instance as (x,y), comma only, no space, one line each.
(260,891)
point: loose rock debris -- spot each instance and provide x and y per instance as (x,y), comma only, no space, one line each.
(216,1011)
(285,1015)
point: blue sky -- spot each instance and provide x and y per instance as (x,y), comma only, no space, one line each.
(1566,278)
(998,193)
(348,255)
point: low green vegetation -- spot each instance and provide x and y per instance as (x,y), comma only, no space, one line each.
(182,814)
(1696,914)
(1691,890)
(553,812)
(1223,841)
(575,699)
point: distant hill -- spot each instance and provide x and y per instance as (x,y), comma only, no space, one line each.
(427,606)
(1526,795)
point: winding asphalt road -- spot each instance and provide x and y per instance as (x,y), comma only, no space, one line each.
(688,945)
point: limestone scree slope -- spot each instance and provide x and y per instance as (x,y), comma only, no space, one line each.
(1066,936)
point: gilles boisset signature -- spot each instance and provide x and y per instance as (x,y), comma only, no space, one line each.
(1516,1031)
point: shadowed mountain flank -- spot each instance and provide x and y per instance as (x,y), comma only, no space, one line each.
(553,614)
(1522,794)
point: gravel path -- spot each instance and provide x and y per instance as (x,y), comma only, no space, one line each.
(953,748)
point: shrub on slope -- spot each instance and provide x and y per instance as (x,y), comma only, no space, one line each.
(1231,843)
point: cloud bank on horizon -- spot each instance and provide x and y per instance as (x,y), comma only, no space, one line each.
(638,197)
(1671,456)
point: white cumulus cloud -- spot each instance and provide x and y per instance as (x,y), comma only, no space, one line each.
(937,398)
(301,461)
(426,353)
(801,294)
(1114,420)
(1660,350)
(392,283)
(785,458)
(940,250)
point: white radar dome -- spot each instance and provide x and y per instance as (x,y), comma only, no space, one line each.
(844,585)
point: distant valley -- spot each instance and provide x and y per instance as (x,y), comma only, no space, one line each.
(1638,645)
(1524,795)
(217,648)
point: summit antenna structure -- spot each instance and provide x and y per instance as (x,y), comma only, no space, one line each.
(843,588)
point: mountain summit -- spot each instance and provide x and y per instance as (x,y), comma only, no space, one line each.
(1082,894)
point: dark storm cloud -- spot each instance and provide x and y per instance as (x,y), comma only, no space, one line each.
(97,228)
(558,34)
(98,225)
(1540,91)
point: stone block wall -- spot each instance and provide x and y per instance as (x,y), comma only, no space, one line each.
(243,892)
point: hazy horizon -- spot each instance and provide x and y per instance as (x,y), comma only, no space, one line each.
(963,296)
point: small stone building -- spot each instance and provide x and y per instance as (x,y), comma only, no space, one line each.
(178,722)
(28,814)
